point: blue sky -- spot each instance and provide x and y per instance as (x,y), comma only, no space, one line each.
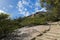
(20,8)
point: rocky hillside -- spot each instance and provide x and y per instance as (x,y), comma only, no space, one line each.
(37,13)
(52,34)
(41,32)
(27,33)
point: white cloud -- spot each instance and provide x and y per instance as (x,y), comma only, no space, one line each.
(43,9)
(1,11)
(4,8)
(37,5)
(25,11)
(21,7)
(10,15)
(19,4)
(11,6)
(27,14)
(25,2)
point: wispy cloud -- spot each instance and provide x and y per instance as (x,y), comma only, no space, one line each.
(11,6)
(4,8)
(43,9)
(25,10)
(25,2)
(22,9)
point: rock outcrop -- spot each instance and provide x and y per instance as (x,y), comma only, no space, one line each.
(41,32)
(52,34)
(27,33)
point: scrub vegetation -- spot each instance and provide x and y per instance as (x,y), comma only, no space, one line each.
(8,25)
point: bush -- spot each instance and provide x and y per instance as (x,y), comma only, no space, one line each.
(6,25)
(36,20)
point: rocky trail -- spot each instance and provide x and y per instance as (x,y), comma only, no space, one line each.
(41,32)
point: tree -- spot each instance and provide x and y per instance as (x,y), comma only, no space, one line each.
(3,16)
(53,6)
(3,23)
(6,25)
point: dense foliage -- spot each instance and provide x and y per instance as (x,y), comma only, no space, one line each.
(7,25)
(39,19)
(53,7)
